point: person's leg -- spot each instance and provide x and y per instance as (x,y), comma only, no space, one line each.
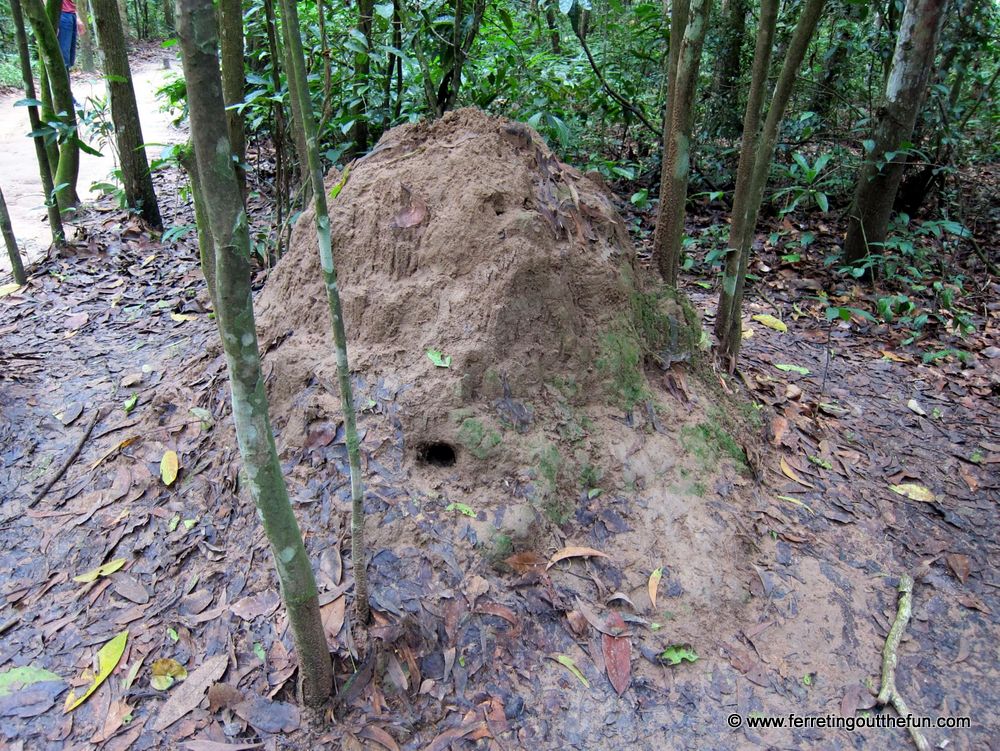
(67,37)
(72,47)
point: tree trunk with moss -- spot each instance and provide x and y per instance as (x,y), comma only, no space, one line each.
(233,80)
(297,72)
(68,167)
(88,52)
(44,168)
(882,171)
(755,163)
(729,68)
(227,223)
(676,167)
(136,179)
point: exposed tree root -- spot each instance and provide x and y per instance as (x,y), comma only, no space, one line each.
(889,694)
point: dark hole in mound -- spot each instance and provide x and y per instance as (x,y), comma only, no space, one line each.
(437,454)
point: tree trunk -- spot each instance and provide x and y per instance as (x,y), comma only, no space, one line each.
(297,72)
(53,9)
(281,165)
(168,14)
(904,95)
(62,99)
(136,179)
(754,169)
(227,222)
(233,80)
(298,129)
(362,69)
(44,168)
(678,22)
(729,68)
(88,56)
(8,237)
(835,62)
(552,21)
(677,144)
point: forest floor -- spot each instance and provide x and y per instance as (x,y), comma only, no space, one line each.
(112,334)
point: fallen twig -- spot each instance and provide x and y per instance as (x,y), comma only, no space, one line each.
(889,694)
(98,413)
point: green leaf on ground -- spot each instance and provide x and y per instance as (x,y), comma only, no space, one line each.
(783,366)
(439,359)
(567,662)
(675,654)
(15,678)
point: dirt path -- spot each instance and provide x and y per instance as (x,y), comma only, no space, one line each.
(19,168)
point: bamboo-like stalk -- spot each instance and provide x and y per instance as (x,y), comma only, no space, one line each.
(62,98)
(44,169)
(669,236)
(297,71)
(227,223)
(731,339)
(8,237)
(748,153)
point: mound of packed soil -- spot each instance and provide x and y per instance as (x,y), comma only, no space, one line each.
(562,417)
(465,236)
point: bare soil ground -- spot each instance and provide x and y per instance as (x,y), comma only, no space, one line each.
(778,572)
(21,184)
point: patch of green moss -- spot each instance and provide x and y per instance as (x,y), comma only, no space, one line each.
(477,438)
(621,362)
(549,465)
(709,442)
(499,547)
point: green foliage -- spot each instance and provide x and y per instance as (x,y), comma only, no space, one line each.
(10,72)
(909,263)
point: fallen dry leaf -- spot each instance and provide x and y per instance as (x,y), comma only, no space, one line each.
(189,694)
(617,652)
(574,552)
(522,563)
(651,586)
(959,565)
(790,474)
(914,492)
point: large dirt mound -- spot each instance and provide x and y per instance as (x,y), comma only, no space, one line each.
(465,236)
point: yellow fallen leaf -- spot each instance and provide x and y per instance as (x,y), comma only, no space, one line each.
(573,552)
(181,317)
(108,658)
(771,322)
(147,260)
(886,354)
(9,289)
(791,475)
(797,502)
(164,672)
(654,582)
(169,465)
(108,568)
(914,492)
(747,333)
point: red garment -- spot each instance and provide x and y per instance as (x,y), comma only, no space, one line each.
(68,6)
